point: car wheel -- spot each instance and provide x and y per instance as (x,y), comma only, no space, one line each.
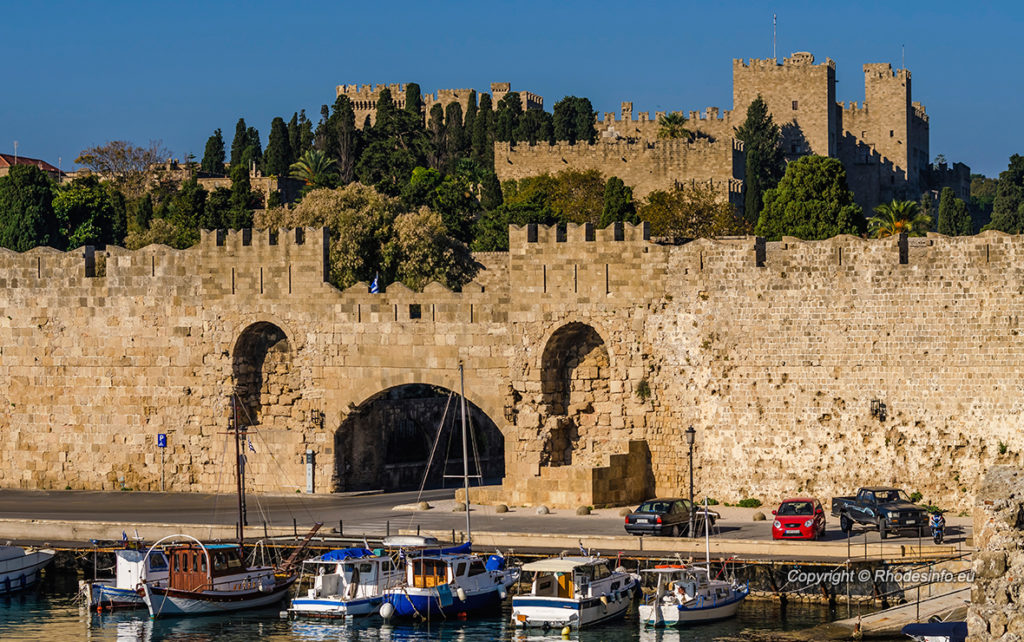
(845,524)
(882,532)
(673,532)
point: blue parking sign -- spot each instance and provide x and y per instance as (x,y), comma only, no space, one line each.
(161,440)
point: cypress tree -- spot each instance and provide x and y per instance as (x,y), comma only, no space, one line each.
(437,155)
(1008,204)
(305,135)
(241,200)
(142,210)
(455,141)
(213,156)
(483,137)
(506,120)
(584,118)
(954,217)
(239,142)
(573,120)
(294,138)
(469,120)
(279,154)
(490,192)
(534,126)
(253,152)
(765,164)
(618,203)
(342,138)
(413,98)
(386,112)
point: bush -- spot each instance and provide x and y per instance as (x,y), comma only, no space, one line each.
(749,502)
(916,496)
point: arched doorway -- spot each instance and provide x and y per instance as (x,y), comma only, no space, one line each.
(261,367)
(385,443)
(575,394)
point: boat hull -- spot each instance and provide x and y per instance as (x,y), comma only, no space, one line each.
(430,603)
(105,596)
(171,603)
(328,608)
(674,615)
(553,612)
(19,573)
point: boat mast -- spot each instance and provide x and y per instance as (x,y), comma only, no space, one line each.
(465,451)
(707,536)
(238,470)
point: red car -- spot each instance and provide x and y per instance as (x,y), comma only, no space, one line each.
(799,518)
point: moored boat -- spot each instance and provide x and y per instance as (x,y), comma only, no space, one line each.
(688,595)
(131,566)
(19,567)
(573,592)
(344,583)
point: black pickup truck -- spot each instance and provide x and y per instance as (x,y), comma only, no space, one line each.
(887,509)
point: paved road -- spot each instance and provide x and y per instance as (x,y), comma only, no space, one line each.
(369,514)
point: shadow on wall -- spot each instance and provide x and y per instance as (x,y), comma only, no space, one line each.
(260,367)
(387,441)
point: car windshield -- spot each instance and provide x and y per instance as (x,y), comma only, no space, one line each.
(796,508)
(653,507)
(891,496)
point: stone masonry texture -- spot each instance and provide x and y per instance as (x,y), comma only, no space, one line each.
(591,350)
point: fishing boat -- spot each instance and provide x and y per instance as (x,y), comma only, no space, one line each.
(936,631)
(573,592)
(348,582)
(131,565)
(19,567)
(688,595)
(216,578)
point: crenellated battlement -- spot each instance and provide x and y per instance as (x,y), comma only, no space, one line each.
(370,91)
(799,60)
(884,71)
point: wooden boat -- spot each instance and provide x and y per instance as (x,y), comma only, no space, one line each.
(573,592)
(131,565)
(688,595)
(345,583)
(19,567)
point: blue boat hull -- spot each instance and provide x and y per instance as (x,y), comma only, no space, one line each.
(427,603)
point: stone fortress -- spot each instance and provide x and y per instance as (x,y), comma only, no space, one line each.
(883,142)
(805,367)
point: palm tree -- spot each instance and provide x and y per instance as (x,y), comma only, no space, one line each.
(899,217)
(314,168)
(673,125)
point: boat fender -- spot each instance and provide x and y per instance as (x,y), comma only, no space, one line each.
(387,609)
(566,631)
(502,592)
(461,593)
(604,600)
(266,585)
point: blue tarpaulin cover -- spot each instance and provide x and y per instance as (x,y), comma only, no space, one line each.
(956,631)
(495,563)
(343,554)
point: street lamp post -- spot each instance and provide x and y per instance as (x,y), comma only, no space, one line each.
(690,435)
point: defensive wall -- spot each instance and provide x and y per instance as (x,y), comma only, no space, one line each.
(364,98)
(805,367)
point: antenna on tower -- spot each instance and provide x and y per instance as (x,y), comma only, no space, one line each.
(774,22)
(903,56)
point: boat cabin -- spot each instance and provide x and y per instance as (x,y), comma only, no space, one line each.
(685,582)
(129,571)
(351,573)
(573,577)
(431,571)
(195,568)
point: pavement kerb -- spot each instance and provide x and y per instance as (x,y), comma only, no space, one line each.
(51,530)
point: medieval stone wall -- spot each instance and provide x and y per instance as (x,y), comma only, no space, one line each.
(364,98)
(587,348)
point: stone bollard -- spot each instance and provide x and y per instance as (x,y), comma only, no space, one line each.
(542,510)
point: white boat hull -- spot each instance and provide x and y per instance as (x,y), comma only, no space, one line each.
(22,570)
(335,608)
(553,612)
(672,615)
(163,604)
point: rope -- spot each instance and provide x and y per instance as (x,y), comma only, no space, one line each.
(430,460)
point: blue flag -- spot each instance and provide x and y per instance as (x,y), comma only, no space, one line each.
(374,287)
(250,445)
(124,538)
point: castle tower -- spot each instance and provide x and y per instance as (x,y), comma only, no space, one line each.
(800,95)
(897,128)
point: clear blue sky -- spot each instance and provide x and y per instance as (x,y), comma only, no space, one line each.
(76,74)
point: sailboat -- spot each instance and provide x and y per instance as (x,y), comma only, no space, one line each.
(689,595)
(216,578)
(441,583)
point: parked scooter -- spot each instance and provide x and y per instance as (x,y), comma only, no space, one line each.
(937,523)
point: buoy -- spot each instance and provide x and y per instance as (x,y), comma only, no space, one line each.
(604,600)
(387,609)
(461,593)
(566,631)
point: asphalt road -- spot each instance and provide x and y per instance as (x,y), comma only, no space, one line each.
(369,514)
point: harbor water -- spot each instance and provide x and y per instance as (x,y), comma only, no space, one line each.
(51,615)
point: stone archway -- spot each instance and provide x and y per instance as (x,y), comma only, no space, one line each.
(261,369)
(385,442)
(575,396)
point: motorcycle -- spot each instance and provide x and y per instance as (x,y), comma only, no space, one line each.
(937,523)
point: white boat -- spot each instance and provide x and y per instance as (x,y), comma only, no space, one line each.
(131,566)
(345,583)
(574,592)
(688,595)
(19,567)
(211,578)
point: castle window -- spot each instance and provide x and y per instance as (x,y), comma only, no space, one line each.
(415,311)
(795,103)
(890,133)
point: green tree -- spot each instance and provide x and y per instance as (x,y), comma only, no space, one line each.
(673,126)
(253,152)
(279,153)
(239,142)
(527,204)
(341,141)
(899,217)
(570,196)
(811,202)
(413,99)
(160,231)
(954,217)
(141,212)
(456,141)
(490,192)
(26,210)
(437,156)
(423,250)
(469,120)
(765,164)
(506,118)
(127,166)
(216,214)
(294,138)
(213,156)
(483,133)
(90,213)
(397,144)
(1008,203)
(242,200)
(535,126)
(695,211)
(315,169)
(618,203)
(573,120)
